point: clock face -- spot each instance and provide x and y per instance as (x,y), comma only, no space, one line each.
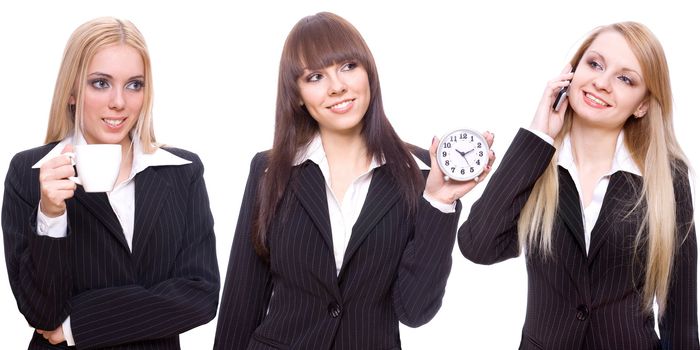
(463,154)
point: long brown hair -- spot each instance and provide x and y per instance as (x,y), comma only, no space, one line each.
(82,46)
(317,42)
(652,143)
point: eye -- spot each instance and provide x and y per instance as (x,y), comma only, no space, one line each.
(625,79)
(99,84)
(348,66)
(595,65)
(313,77)
(135,85)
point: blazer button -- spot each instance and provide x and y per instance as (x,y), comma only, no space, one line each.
(582,312)
(334,310)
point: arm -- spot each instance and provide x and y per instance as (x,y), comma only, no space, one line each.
(130,313)
(248,282)
(490,233)
(679,324)
(37,266)
(425,265)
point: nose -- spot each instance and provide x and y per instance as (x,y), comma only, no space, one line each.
(337,85)
(117,102)
(602,82)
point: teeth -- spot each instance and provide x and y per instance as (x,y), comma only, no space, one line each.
(341,105)
(114,122)
(596,100)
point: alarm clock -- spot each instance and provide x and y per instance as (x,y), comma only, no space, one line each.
(462,155)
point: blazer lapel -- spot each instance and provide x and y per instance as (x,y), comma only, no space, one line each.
(570,207)
(150,192)
(616,195)
(381,196)
(310,187)
(98,205)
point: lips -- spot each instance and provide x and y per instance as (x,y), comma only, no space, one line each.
(114,123)
(594,101)
(342,106)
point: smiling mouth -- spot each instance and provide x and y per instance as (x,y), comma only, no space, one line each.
(596,100)
(114,123)
(341,105)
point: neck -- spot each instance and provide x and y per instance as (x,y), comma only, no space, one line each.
(347,151)
(593,147)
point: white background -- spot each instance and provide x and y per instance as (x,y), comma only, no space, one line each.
(481,65)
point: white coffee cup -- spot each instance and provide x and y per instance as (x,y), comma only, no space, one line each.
(97,166)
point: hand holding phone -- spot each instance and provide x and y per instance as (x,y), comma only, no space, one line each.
(561,96)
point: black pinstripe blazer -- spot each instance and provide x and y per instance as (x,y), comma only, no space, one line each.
(578,300)
(116,299)
(395,269)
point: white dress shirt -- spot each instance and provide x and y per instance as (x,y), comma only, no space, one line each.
(622,161)
(344,215)
(121,198)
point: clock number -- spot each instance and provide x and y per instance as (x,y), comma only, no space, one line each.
(444,154)
(471,170)
(446,145)
(478,145)
(453,138)
(453,169)
(472,139)
(463,136)
(478,162)
(447,163)
(462,171)
(481,153)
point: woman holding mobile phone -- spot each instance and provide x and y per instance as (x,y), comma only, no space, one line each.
(597,194)
(344,231)
(131,268)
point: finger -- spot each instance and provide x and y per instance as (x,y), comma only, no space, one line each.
(489,138)
(40,331)
(67,148)
(567,69)
(433,154)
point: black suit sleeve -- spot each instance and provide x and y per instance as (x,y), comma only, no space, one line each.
(248,283)
(37,266)
(490,234)
(679,324)
(425,265)
(130,313)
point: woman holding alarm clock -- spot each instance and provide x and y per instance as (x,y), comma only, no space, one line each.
(344,231)
(597,194)
(130,268)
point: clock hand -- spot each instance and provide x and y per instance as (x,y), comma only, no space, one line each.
(461,153)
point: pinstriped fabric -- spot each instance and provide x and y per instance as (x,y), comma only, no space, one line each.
(395,269)
(116,299)
(575,300)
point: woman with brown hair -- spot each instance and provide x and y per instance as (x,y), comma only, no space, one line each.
(340,236)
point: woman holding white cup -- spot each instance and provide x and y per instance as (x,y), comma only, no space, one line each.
(134,264)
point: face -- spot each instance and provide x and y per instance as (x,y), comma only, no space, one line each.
(608,86)
(337,96)
(113,95)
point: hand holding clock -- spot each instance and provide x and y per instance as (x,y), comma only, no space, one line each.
(448,189)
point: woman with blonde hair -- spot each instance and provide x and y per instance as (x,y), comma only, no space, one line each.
(597,194)
(130,268)
(344,230)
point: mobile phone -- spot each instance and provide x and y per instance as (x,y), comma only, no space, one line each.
(561,96)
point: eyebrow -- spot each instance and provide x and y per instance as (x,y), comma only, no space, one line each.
(623,68)
(105,75)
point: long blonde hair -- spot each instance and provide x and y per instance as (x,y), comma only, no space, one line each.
(654,148)
(82,46)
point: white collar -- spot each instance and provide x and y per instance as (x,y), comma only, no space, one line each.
(314,152)
(141,160)
(622,159)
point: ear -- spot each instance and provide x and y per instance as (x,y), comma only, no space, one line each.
(642,109)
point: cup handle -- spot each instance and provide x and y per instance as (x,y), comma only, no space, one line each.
(71,156)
